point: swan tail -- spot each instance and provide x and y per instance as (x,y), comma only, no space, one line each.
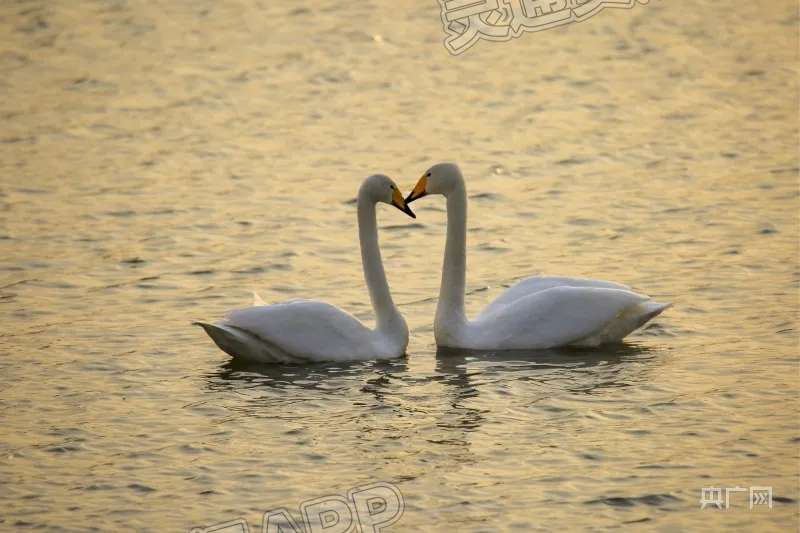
(626,323)
(241,344)
(650,310)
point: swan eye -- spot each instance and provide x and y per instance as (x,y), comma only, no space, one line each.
(428,175)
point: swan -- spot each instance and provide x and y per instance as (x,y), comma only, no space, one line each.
(305,331)
(535,313)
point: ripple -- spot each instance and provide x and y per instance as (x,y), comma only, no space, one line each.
(486,196)
(123,213)
(577,221)
(142,489)
(651,500)
(398,227)
(571,161)
(262,269)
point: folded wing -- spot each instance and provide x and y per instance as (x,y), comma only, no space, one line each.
(304,329)
(560,316)
(528,286)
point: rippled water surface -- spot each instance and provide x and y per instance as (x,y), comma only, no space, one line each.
(159,160)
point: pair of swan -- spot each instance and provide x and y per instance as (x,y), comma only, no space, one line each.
(535,313)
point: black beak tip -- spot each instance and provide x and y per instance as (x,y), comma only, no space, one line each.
(411,198)
(405,209)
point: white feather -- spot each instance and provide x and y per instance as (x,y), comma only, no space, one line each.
(536,312)
(303,331)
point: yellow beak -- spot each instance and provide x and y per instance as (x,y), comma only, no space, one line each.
(399,203)
(419,190)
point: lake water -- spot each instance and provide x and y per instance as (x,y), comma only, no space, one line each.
(158,161)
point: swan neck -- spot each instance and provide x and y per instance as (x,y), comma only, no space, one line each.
(371,262)
(451,292)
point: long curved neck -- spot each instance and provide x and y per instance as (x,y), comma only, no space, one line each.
(371,261)
(451,292)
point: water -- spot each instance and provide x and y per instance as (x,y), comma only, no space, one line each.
(160,160)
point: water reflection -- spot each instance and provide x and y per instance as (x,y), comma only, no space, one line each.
(235,374)
(441,414)
(461,371)
(612,366)
(523,377)
(452,368)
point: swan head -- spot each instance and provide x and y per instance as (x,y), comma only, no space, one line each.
(380,188)
(443,178)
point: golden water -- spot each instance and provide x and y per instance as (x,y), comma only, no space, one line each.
(159,160)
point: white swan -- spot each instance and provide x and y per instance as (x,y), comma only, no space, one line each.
(303,331)
(537,312)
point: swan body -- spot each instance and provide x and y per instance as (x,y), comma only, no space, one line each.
(305,331)
(301,331)
(536,312)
